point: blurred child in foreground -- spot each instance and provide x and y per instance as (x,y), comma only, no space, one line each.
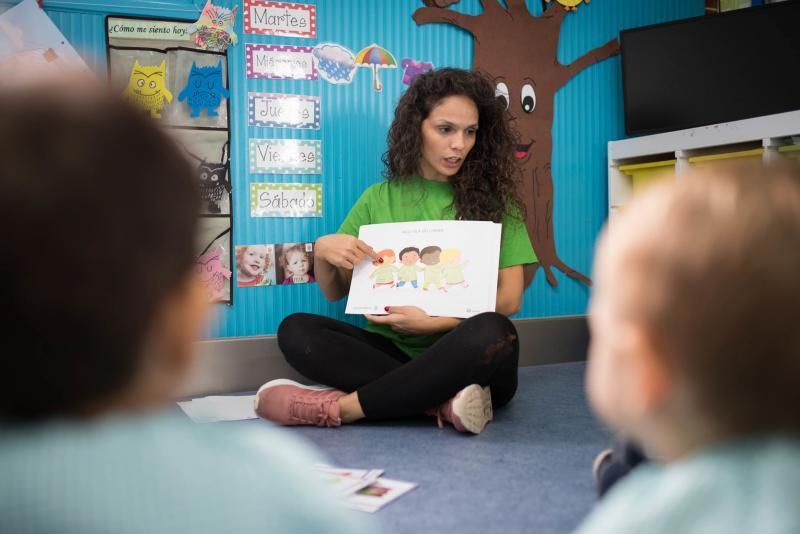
(695,354)
(99,211)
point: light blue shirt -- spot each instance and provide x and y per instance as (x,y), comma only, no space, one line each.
(163,474)
(750,486)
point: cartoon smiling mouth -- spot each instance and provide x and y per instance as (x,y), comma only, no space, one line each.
(522,150)
(142,93)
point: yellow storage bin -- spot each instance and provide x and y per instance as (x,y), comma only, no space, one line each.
(755,153)
(790,151)
(644,173)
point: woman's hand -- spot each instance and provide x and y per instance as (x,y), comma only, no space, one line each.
(342,250)
(414,321)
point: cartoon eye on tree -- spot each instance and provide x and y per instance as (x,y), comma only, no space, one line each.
(518,51)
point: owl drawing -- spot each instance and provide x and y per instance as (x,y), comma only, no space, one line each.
(204,89)
(147,88)
(214,181)
(213,274)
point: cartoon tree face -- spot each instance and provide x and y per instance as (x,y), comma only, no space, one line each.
(518,52)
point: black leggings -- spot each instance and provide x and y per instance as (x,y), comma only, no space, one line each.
(481,350)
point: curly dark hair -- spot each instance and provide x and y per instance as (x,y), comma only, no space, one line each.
(487,185)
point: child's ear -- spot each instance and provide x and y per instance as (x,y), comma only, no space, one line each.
(179,323)
(651,374)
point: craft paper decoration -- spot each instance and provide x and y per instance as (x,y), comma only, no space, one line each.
(277,61)
(295,263)
(32,47)
(376,57)
(285,200)
(255,265)
(214,29)
(147,88)
(285,156)
(412,69)
(213,274)
(447,268)
(528,83)
(569,4)
(280,18)
(214,233)
(335,63)
(215,181)
(275,110)
(204,89)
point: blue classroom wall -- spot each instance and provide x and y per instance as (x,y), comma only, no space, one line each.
(355,118)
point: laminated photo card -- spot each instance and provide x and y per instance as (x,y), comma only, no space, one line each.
(345,482)
(255,265)
(378,494)
(447,268)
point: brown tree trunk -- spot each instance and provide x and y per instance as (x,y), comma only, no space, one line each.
(519,50)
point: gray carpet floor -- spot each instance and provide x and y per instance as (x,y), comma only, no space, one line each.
(528,471)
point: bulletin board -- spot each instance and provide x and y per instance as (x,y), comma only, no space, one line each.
(338,127)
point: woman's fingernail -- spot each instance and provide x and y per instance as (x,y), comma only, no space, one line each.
(387,309)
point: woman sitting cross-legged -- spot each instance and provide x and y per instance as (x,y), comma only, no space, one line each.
(450,156)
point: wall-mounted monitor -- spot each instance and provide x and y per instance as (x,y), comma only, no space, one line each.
(712,69)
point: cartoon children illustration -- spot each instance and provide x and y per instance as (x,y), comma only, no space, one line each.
(407,272)
(453,267)
(384,274)
(252,263)
(434,270)
(298,264)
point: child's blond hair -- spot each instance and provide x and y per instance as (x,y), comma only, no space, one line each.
(709,265)
(449,254)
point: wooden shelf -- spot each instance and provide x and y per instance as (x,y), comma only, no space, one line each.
(631,161)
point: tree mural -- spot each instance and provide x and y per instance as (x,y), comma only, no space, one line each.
(518,51)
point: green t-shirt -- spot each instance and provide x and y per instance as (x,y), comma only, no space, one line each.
(417,199)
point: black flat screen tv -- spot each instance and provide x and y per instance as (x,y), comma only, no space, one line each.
(711,69)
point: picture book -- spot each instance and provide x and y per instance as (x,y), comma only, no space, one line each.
(446,268)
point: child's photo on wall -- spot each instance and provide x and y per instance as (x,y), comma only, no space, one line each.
(295,263)
(255,265)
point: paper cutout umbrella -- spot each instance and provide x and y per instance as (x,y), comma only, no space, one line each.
(376,57)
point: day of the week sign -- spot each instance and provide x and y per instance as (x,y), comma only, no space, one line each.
(285,200)
(278,61)
(285,156)
(275,110)
(280,18)
(147,29)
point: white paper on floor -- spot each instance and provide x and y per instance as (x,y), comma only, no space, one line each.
(216,408)
(362,489)
(345,482)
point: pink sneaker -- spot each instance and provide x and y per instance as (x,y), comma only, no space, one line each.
(287,402)
(468,411)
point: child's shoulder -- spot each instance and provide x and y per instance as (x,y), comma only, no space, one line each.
(718,482)
(234,476)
